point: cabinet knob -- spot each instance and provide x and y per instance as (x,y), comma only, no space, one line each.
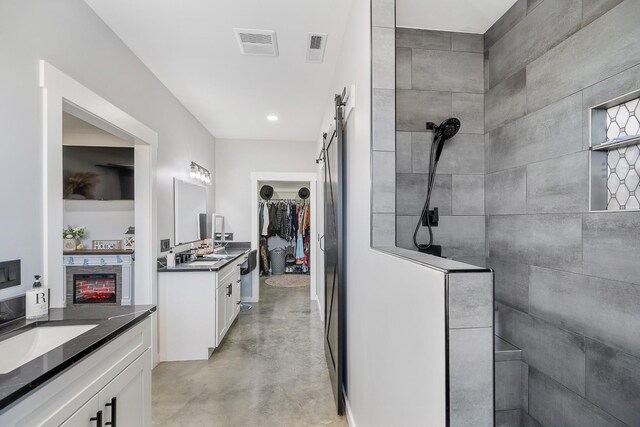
(97,419)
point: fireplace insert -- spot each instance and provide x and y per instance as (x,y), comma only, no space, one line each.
(94,288)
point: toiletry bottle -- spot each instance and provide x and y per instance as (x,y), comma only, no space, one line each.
(37,300)
(171,259)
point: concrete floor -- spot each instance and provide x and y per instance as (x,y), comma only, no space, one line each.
(269,371)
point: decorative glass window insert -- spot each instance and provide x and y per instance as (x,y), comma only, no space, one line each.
(623,120)
(624,178)
(614,162)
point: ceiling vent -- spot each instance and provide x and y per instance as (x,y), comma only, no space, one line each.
(257,42)
(315,47)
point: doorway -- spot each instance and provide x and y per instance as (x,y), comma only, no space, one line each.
(288,184)
(62,94)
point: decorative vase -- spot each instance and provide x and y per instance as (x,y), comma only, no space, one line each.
(69,244)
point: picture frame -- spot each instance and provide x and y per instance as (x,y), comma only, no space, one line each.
(106,244)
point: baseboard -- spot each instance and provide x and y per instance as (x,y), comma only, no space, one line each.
(249,299)
(347,410)
(320,311)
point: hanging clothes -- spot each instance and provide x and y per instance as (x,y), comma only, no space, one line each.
(307,219)
(272,220)
(289,220)
(299,249)
(264,219)
(264,257)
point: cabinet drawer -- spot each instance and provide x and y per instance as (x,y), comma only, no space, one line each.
(225,274)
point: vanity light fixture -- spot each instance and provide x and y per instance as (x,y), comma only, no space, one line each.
(272,118)
(200,173)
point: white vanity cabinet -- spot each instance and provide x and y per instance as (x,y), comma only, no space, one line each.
(196,310)
(228,302)
(112,386)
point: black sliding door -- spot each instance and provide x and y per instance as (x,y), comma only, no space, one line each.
(334,308)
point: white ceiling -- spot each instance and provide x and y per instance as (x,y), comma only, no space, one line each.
(466,16)
(191,47)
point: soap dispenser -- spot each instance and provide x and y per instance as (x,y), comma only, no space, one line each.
(37,300)
(171,259)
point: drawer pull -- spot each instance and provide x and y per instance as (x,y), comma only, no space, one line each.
(97,419)
(112,404)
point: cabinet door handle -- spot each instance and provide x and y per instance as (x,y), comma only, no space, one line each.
(112,404)
(320,242)
(97,419)
(229,290)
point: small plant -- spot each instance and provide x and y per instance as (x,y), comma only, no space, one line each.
(77,233)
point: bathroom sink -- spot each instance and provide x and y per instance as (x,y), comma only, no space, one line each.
(218,257)
(23,348)
(203,263)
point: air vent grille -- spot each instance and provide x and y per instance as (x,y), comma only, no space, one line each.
(257,42)
(315,47)
(316,42)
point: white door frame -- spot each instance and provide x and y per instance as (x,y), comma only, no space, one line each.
(62,93)
(257,177)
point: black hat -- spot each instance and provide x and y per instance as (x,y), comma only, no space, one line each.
(304,193)
(266,192)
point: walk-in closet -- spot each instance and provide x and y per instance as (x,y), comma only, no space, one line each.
(284,214)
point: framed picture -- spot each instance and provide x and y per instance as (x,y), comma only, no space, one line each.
(106,244)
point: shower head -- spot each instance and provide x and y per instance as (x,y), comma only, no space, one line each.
(449,128)
(446,130)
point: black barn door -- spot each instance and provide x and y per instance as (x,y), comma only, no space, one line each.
(334,314)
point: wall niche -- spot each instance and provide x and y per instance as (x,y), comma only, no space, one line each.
(614,142)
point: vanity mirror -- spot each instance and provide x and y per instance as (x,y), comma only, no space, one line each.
(189,202)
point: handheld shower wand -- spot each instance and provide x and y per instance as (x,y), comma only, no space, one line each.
(446,130)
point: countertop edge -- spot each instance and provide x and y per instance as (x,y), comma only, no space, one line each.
(180,269)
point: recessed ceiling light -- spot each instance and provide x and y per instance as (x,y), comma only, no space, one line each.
(272,118)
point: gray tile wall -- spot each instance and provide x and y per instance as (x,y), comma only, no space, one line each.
(439,75)
(383,129)
(567,281)
(471,338)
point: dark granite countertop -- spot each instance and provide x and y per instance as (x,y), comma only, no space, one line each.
(111,321)
(235,252)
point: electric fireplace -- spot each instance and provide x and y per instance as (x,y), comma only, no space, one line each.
(97,288)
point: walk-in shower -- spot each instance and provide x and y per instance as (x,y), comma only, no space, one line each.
(428,218)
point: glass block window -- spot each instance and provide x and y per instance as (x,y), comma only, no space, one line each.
(623,183)
(623,120)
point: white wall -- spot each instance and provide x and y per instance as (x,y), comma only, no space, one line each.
(103,219)
(68,35)
(237,159)
(395,308)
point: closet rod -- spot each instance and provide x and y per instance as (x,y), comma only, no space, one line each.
(283,200)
